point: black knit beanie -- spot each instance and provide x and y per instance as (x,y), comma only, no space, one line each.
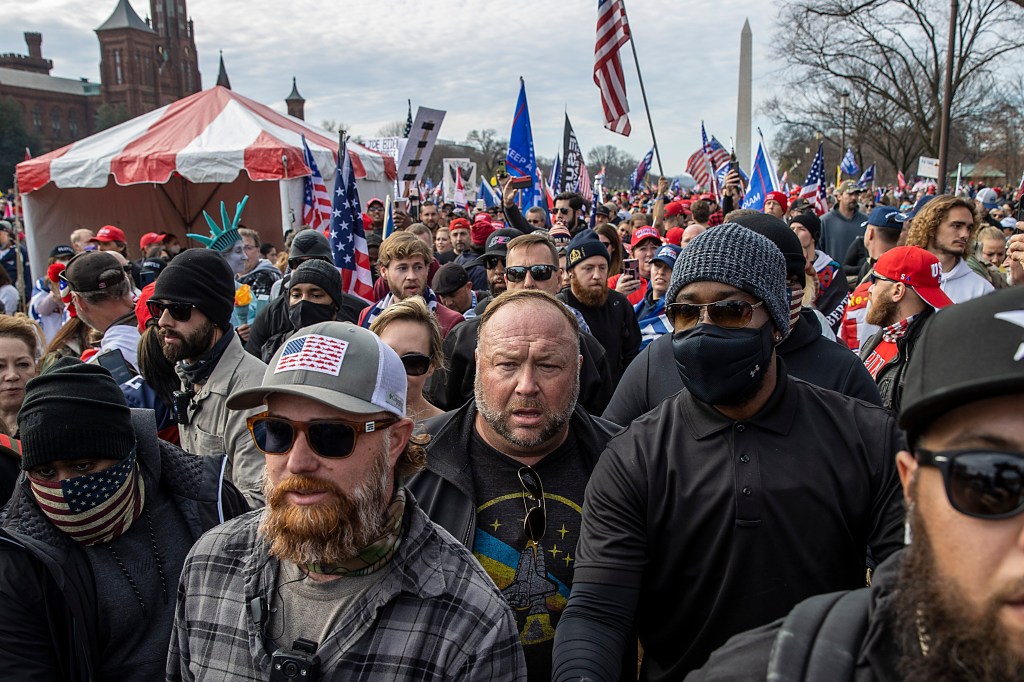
(811,222)
(200,277)
(74,411)
(782,236)
(323,275)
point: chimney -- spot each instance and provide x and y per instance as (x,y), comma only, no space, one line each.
(35,44)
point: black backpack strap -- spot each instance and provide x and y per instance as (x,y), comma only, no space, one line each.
(821,638)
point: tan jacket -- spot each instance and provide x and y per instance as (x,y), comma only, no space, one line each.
(214,429)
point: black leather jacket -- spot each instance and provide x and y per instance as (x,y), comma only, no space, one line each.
(890,379)
(444,490)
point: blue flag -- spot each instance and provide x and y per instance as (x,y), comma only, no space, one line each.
(636,178)
(849,164)
(868,178)
(488,194)
(763,179)
(521,161)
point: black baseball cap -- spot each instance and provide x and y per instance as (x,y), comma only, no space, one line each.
(497,244)
(94,271)
(449,278)
(62,251)
(940,375)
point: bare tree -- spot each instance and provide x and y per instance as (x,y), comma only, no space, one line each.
(889,55)
(393,129)
(492,150)
(617,164)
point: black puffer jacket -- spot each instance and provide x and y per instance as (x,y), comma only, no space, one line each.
(444,490)
(48,601)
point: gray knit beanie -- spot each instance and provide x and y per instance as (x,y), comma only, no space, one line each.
(739,257)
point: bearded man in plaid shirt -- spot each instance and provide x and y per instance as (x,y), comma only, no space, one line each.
(341,575)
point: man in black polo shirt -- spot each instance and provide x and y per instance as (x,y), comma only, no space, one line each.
(736,498)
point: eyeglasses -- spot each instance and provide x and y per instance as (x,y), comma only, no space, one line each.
(491,262)
(416,364)
(541,273)
(180,312)
(536,520)
(725,314)
(563,210)
(329,438)
(874,277)
(985,484)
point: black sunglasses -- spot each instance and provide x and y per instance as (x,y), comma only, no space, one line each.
(563,210)
(725,314)
(491,262)
(330,438)
(541,273)
(985,484)
(416,364)
(296,262)
(180,312)
(874,277)
(536,520)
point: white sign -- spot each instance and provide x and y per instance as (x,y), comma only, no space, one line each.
(928,168)
(469,181)
(388,146)
(420,146)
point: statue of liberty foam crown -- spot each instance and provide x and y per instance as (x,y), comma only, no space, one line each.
(223,237)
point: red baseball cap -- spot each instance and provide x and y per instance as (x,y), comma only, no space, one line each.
(674,236)
(779,198)
(109,233)
(151,238)
(645,232)
(674,208)
(918,269)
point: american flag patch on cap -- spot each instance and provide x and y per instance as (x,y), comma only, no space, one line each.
(314,353)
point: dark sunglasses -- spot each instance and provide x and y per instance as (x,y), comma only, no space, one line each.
(875,277)
(330,438)
(563,210)
(725,314)
(541,273)
(985,484)
(181,312)
(296,262)
(491,262)
(416,364)
(536,520)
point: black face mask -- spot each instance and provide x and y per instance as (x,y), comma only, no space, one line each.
(723,366)
(305,313)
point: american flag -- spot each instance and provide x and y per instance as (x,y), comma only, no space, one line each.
(636,178)
(612,33)
(94,508)
(814,186)
(316,206)
(347,239)
(585,189)
(697,164)
(312,353)
(901,181)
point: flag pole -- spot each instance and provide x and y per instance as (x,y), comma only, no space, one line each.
(643,91)
(19,260)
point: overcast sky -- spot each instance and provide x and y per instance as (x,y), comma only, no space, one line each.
(357,61)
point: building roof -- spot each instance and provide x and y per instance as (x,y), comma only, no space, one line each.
(222,74)
(37,81)
(294,96)
(124,16)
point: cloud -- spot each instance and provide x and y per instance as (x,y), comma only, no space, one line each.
(359,61)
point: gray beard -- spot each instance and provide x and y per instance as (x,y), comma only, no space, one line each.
(498,419)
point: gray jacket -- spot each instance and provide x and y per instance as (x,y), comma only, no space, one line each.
(213,429)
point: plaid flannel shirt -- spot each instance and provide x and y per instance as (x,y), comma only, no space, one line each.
(434,615)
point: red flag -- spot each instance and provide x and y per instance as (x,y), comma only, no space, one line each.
(612,33)
(901,181)
(28,154)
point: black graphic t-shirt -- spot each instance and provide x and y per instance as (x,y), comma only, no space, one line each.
(534,579)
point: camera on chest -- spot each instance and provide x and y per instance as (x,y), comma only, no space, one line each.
(300,663)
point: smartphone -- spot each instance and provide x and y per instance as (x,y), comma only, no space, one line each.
(521,182)
(114,362)
(502,171)
(631,267)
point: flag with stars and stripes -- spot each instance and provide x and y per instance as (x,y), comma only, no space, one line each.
(347,238)
(585,188)
(712,154)
(612,34)
(316,205)
(814,186)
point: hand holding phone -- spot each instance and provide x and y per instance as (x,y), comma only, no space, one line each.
(631,267)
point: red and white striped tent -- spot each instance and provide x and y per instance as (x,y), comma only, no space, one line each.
(159,171)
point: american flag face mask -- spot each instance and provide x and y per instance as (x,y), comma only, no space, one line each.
(94,508)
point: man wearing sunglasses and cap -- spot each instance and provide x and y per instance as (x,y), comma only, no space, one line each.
(736,498)
(949,605)
(523,440)
(342,572)
(101,293)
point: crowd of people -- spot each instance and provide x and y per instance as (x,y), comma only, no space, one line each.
(656,437)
